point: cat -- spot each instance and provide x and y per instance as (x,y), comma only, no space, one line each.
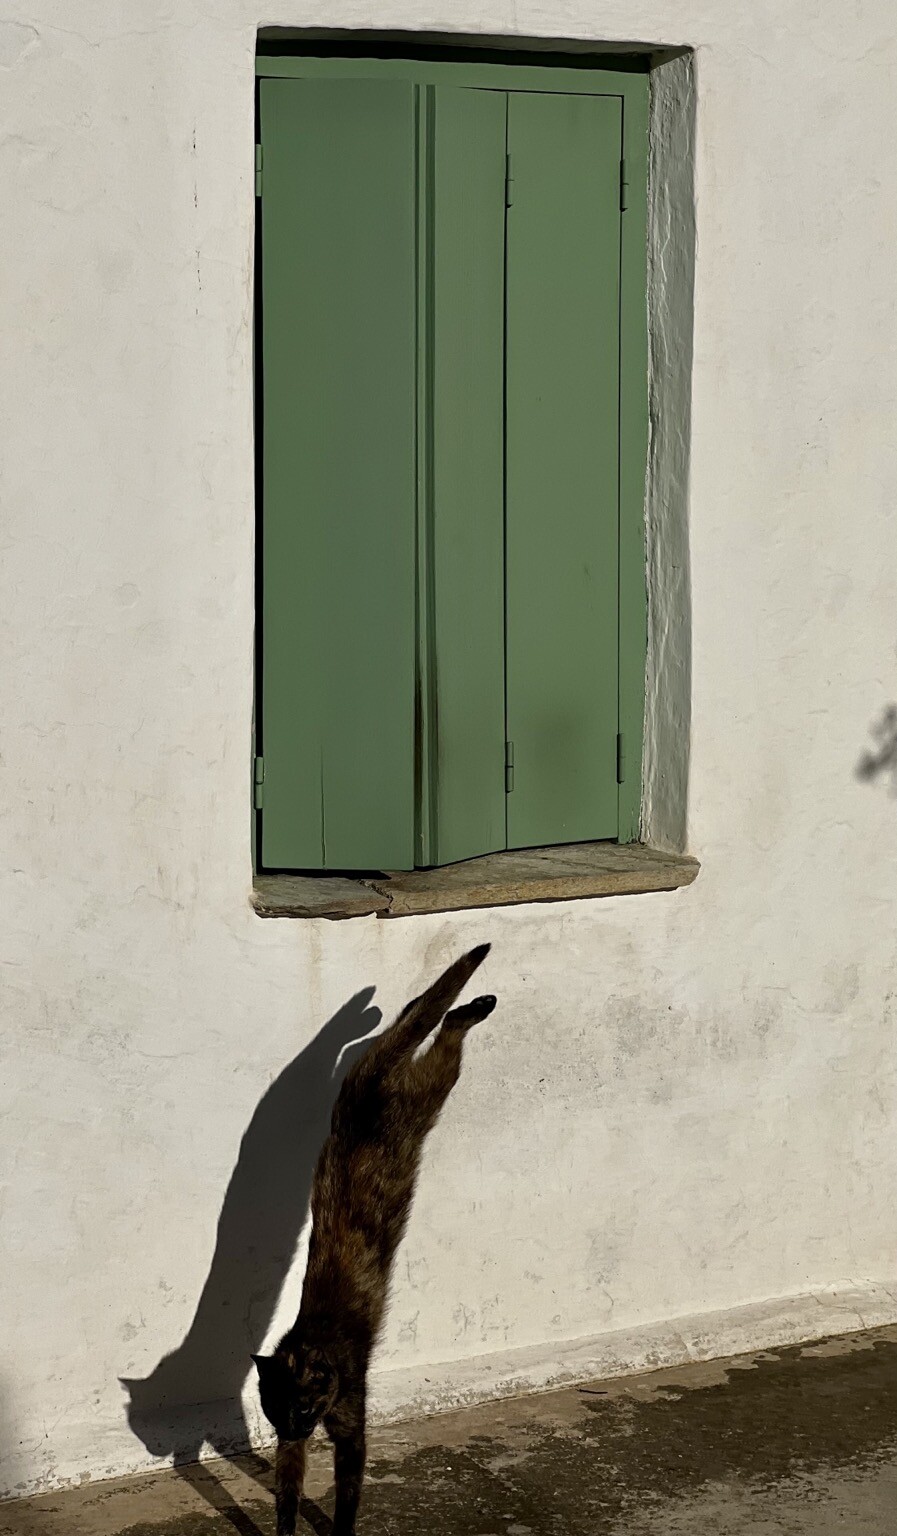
(361,1197)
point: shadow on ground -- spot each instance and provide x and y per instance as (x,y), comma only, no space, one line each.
(805,1436)
(193,1396)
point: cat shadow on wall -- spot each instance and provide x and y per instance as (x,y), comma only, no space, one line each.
(881,761)
(193,1396)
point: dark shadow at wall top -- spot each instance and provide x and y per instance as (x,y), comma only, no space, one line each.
(484,48)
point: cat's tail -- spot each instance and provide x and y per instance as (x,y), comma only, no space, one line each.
(424,1013)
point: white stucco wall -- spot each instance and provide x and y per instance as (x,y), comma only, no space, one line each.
(685,1102)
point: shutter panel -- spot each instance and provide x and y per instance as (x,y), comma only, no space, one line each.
(464,513)
(338,534)
(563,257)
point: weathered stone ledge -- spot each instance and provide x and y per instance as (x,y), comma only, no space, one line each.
(567,873)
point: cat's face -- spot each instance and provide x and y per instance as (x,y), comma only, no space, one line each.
(296,1389)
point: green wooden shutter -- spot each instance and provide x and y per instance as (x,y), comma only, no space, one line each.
(563,245)
(462,506)
(440,462)
(338,540)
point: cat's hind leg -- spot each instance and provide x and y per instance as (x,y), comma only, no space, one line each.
(419,1018)
(462,1019)
(429,1079)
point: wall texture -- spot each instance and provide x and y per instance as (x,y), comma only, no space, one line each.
(685,1102)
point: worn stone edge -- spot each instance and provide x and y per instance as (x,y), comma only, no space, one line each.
(403,1393)
(368,901)
(404,903)
(382,898)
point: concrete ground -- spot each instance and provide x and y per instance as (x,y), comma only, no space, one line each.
(792,1442)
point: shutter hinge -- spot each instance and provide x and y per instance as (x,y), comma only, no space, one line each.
(624,187)
(509,182)
(509,767)
(258,170)
(258,783)
(621,758)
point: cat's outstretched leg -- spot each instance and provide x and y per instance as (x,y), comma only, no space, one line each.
(289,1477)
(419,1018)
(429,1079)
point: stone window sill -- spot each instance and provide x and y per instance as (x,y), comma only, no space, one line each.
(567,873)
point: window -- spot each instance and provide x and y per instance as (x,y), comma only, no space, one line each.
(452,427)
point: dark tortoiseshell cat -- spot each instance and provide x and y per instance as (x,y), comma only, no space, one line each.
(363,1187)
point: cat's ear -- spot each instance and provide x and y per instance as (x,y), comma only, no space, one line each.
(262,1362)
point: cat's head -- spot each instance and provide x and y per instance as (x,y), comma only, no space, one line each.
(297,1387)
